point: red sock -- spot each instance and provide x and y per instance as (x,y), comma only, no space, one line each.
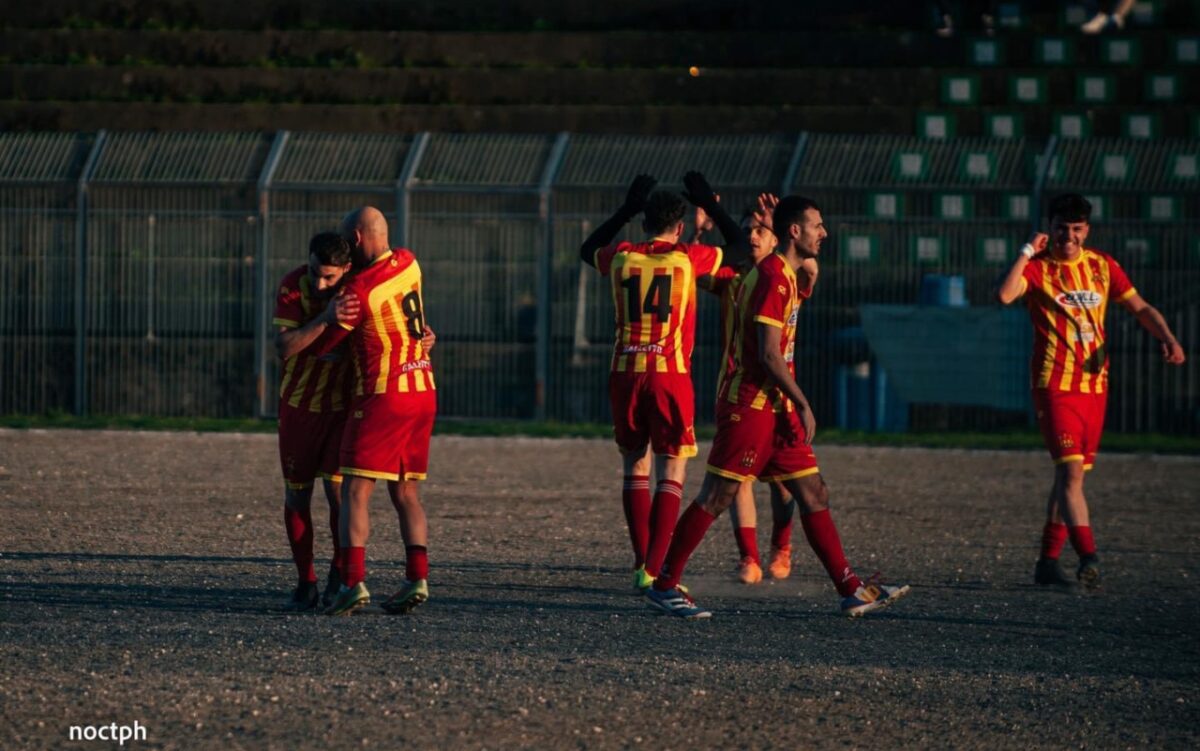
(354,569)
(688,534)
(823,537)
(1081,540)
(300,537)
(416,562)
(635,497)
(747,542)
(663,514)
(781,533)
(334,512)
(1054,536)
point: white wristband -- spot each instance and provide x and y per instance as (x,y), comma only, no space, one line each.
(1028,251)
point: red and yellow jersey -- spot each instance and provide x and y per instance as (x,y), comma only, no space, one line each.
(768,294)
(318,384)
(385,338)
(1067,302)
(654,293)
(724,283)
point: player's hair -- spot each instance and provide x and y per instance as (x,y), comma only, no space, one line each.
(664,209)
(1070,207)
(330,248)
(790,211)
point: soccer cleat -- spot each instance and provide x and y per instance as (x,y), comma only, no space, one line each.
(407,597)
(780,564)
(1102,22)
(1048,573)
(1089,572)
(304,597)
(676,602)
(870,596)
(641,579)
(749,572)
(946,29)
(332,583)
(349,599)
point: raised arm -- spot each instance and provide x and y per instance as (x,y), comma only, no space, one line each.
(635,201)
(1151,320)
(1013,284)
(700,194)
(769,338)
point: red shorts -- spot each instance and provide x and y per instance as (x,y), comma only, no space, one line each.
(308,445)
(387,436)
(653,408)
(759,443)
(1071,424)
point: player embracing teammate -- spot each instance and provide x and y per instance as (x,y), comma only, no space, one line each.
(1067,288)
(387,433)
(650,382)
(765,425)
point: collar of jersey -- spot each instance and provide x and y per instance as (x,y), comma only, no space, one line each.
(380,257)
(1083,253)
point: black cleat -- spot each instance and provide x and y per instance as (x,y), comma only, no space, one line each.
(1049,574)
(1089,572)
(333,583)
(304,597)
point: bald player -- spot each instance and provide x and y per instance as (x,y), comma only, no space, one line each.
(381,312)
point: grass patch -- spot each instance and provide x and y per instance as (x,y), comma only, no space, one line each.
(1152,443)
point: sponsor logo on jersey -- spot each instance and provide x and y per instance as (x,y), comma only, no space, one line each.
(408,367)
(1079,298)
(633,349)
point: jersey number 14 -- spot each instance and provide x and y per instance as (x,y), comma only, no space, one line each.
(657,301)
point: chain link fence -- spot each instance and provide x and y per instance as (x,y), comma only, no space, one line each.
(139,269)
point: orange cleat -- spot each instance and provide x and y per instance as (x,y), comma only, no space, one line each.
(780,565)
(749,572)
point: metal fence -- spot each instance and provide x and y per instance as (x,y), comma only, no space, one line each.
(138,269)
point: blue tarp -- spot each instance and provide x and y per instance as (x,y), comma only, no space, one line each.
(940,355)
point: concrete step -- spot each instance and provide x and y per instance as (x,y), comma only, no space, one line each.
(613,49)
(90,116)
(474,86)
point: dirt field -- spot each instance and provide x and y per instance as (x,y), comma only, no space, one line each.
(142,575)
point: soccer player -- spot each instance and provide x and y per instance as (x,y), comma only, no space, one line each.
(313,396)
(765,425)
(1067,287)
(742,514)
(392,413)
(650,382)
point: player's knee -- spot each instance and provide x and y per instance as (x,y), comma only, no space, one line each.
(297,499)
(814,496)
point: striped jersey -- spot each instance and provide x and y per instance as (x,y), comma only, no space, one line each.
(725,283)
(318,384)
(654,293)
(385,338)
(1067,301)
(767,295)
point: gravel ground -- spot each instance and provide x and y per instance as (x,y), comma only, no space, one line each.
(142,575)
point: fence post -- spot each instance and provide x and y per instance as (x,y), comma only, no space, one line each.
(263,285)
(789,175)
(546,271)
(404,183)
(81,233)
(1039,184)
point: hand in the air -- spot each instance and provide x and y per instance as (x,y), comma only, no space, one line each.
(639,191)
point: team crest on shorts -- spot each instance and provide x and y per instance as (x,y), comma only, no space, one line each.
(1066,442)
(748,458)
